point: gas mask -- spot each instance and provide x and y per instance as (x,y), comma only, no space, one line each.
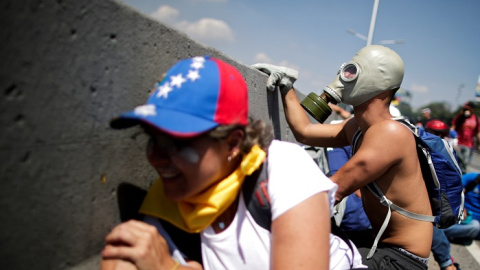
(373,70)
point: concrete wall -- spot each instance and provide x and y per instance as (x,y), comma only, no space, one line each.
(68,67)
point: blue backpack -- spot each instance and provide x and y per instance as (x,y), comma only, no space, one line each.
(442,176)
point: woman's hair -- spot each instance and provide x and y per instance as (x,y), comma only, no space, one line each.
(257,132)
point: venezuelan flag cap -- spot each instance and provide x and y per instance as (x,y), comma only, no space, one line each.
(196,95)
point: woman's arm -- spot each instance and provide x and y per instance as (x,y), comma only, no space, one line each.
(301,236)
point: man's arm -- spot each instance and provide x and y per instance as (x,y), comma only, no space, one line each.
(308,133)
(304,131)
(383,146)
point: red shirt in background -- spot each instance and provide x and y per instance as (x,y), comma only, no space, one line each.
(467,131)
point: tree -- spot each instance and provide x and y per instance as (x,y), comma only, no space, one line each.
(405,109)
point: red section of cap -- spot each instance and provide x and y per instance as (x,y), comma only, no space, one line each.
(232,104)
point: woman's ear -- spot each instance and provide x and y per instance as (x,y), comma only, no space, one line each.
(235,140)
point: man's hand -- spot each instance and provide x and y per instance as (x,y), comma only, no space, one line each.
(279,76)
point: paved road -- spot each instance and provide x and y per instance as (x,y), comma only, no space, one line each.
(467,256)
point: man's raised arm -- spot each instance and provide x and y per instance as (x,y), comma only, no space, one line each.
(304,131)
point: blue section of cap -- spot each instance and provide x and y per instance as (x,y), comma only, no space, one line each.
(195,96)
(184,103)
(173,122)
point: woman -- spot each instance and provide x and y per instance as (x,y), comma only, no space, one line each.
(466,125)
(203,148)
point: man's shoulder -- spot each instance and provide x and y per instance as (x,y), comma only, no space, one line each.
(390,127)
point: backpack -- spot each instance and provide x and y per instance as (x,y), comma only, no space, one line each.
(442,176)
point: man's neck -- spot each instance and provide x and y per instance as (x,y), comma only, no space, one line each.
(372,112)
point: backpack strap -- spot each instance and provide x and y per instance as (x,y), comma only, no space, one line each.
(256,198)
(373,187)
(356,137)
(339,211)
(375,190)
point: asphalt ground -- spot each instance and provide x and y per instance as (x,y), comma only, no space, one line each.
(468,257)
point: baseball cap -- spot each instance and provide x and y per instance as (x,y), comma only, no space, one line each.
(426,110)
(196,95)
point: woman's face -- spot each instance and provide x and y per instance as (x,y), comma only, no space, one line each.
(187,166)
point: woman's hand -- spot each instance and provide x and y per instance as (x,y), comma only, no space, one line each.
(140,244)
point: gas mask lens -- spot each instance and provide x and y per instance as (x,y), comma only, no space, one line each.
(349,72)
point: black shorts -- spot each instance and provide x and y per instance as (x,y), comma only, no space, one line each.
(390,257)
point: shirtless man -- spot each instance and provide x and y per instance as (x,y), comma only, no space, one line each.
(385,153)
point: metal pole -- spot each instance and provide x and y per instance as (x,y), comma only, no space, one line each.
(372,23)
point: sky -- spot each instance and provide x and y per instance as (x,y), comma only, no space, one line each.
(440,49)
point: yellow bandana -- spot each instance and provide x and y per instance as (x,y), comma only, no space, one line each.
(199,211)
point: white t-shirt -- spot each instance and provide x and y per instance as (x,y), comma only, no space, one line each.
(292,177)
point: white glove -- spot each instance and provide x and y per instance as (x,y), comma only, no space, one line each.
(279,76)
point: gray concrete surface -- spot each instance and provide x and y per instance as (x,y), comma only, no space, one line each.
(68,67)
(466,256)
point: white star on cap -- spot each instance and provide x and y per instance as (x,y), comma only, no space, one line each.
(198,59)
(197,65)
(164,90)
(145,110)
(193,75)
(177,80)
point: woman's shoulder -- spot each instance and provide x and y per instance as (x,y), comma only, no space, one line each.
(284,152)
(280,146)
(288,159)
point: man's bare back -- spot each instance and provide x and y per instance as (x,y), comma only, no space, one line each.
(388,144)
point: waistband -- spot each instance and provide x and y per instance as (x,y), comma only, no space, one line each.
(411,255)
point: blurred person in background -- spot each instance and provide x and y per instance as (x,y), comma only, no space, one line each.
(471,185)
(466,125)
(426,116)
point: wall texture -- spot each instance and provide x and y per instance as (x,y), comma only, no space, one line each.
(68,67)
